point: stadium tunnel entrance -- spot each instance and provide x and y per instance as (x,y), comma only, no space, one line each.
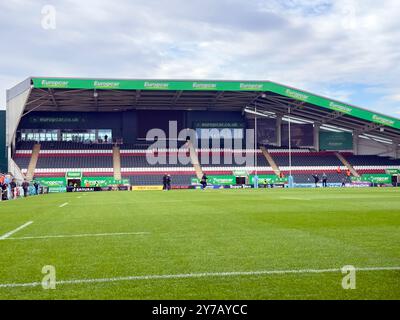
(74,182)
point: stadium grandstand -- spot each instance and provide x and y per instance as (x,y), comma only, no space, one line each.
(91,130)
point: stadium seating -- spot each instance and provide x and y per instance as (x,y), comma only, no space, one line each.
(55,158)
(333,177)
(310,159)
(372,161)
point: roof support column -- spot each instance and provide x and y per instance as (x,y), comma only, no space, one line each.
(278,129)
(316,136)
(355,142)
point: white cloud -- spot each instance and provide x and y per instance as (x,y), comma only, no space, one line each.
(317,45)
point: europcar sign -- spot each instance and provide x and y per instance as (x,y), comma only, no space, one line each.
(262,86)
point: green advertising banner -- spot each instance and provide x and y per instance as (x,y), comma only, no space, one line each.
(52,182)
(331,141)
(268,179)
(240,173)
(218,180)
(262,86)
(73,175)
(376,178)
(102,181)
(231,180)
(393,171)
(57,189)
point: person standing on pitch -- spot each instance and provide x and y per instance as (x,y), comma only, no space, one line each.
(25,187)
(203,182)
(164,182)
(324,180)
(316,179)
(13,188)
(168,182)
(36,185)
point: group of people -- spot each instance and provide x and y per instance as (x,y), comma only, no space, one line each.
(10,188)
(167,182)
(324,178)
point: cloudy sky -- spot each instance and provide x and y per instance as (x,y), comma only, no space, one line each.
(344,49)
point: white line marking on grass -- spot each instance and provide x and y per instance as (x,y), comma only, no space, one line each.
(80,235)
(5,236)
(293,198)
(195,275)
(63,205)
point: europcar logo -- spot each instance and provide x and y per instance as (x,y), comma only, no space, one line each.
(156,85)
(106,84)
(251,86)
(296,95)
(55,83)
(56,183)
(382,120)
(204,86)
(340,107)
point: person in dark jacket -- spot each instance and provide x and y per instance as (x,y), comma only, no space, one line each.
(36,185)
(168,182)
(25,187)
(13,187)
(3,191)
(316,179)
(324,180)
(164,182)
(203,181)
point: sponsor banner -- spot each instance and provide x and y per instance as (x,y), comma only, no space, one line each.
(330,185)
(51,182)
(103,181)
(240,173)
(217,180)
(331,141)
(82,189)
(73,175)
(393,172)
(56,120)
(147,188)
(218,124)
(359,184)
(262,86)
(56,189)
(269,179)
(374,178)
(124,84)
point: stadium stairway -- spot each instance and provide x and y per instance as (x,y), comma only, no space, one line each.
(33,162)
(347,164)
(271,161)
(117,163)
(194,158)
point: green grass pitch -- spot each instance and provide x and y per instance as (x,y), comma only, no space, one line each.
(149,234)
